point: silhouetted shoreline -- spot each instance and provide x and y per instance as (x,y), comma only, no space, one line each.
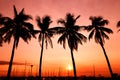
(61,78)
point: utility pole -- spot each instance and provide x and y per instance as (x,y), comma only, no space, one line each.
(93,70)
(31,69)
(59,73)
(25,69)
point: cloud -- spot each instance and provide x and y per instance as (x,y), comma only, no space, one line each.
(14,63)
(4,62)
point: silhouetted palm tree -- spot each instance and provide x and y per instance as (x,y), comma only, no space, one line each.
(98,30)
(16,28)
(70,33)
(45,34)
(118,25)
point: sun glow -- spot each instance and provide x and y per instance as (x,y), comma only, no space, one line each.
(69,67)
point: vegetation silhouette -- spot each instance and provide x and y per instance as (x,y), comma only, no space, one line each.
(16,28)
(70,33)
(118,25)
(61,78)
(45,34)
(98,30)
(1,21)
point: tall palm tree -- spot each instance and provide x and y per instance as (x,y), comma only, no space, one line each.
(98,30)
(70,32)
(18,27)
(45,34)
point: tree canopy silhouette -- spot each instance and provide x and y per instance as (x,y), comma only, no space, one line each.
(98,30)
(70,32)
(18,27)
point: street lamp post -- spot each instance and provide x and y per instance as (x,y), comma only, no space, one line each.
(31,69)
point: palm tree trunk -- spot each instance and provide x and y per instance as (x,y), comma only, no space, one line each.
(11,61)
(108,63)
(74,67)
(40,65)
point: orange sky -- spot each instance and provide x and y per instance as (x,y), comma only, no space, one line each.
(56,59)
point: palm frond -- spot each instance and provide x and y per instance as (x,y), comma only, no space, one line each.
(17,41)
(1,40)
(6,21)
(36,31)
(92,18)
(74,39)
(62,39)
(8,36)
(103,23)
(89,28)
(28,25)
(52,31)
(1,21)
(70,21)
(25,34)
(15,11)
(62,21)
(59,30)
(40,37)
(46,43)
(91,34)
(4,30)
(118,24)
(104,35)
(46,20)
(70,43)
(106,30)
(77,27)
(24,17)
(39,23)
(98,19)
(73,42)
(77,17)
(0,15)
(118,30)
(81,37)
(97,37)
(48,40)
(21,12)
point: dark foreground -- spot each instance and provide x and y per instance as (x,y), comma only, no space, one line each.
(60,78)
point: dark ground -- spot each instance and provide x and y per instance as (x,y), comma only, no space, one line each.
(61,78)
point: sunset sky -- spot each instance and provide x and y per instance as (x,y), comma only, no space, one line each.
(89,55)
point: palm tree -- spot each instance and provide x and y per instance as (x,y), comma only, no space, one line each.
(45,34)
(16,28)
(70,33)
(98,30)
(118,25)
